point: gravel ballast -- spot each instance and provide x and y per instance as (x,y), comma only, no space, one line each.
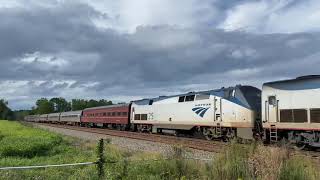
(132,145)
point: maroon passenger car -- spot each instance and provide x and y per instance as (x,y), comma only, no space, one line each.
(113,116)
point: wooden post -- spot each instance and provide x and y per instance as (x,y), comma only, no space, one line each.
(101,159)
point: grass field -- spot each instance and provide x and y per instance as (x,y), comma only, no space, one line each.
(21,145)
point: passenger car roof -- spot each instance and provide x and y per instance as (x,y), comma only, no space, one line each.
(110,106)
(301,78)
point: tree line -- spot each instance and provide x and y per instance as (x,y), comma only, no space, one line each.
(59,104)
(53,105)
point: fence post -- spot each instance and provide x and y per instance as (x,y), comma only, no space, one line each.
(178,157)
(101,159)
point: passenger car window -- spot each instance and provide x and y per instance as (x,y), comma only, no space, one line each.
(181,98)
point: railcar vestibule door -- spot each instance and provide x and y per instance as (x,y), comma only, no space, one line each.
(272,110)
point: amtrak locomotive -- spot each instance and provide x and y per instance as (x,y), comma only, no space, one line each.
(285,110)
(222,113)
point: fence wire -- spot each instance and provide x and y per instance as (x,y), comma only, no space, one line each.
(91,163)
(46,166)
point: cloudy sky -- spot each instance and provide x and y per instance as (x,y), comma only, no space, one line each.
(129,49)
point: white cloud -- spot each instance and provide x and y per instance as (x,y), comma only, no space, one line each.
(127,15)
(43,60)
(274,16)
(64,62)
(52,48)
(296,43)
(244,53)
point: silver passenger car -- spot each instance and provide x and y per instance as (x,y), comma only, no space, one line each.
(71,117)
(54,117)
(43,118)
(32,118)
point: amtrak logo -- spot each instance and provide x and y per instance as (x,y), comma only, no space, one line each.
(200,110)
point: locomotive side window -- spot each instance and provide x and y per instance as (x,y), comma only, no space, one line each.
(190,98)
(294,115)
(202,96)
(137,117)
(315,115)
(144,116)
(118,113)
(181,98)
(300,115)
(272,100)
(124,113)
(286,115)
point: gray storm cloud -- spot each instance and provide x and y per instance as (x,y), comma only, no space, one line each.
(60,49)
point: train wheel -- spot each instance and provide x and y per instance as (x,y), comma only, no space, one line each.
(299,146)
(139,128)
(230,135)
(209,133)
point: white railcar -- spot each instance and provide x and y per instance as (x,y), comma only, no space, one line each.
(291,110)
(32,118)
(71,117)
(54,117)
(43,118)
(221,113)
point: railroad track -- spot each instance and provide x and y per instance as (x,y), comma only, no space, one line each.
(199,144)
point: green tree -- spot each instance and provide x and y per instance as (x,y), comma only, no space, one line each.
(44,106)
(20,114)
(60,104)
(78,104)
(103,102)
(5,111)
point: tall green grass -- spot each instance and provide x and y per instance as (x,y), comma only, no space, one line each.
(23,145)
(25,141)
(257,161)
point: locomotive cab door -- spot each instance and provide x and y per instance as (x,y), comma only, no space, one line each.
(217,109)
(271,106)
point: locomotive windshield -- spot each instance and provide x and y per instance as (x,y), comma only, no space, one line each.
(252,96)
